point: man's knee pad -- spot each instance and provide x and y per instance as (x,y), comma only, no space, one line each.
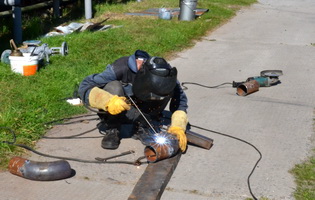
(114,87)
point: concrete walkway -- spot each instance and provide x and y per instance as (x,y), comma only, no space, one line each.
(278,120)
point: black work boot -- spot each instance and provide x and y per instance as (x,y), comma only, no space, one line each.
(111,139)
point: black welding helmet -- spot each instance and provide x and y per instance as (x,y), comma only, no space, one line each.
(155,80)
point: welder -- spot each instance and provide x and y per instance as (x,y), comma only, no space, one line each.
(150,82)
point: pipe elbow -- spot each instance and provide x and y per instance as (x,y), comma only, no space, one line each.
(40,171)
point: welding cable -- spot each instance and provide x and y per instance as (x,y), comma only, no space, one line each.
(192,83)
(241,140)
(70,118)
(226,135)
(75,136)
(137,162)
(73,122)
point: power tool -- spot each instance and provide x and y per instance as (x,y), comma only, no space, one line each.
(267,78)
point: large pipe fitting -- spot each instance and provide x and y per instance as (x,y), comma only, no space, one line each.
(247,88)
(164,146)
(40,171)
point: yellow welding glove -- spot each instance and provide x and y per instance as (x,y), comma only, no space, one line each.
(101,99)
(179,122)
(117,105)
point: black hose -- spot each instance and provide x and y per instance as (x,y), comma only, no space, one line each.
(192,83)
(73,122)
(74,136)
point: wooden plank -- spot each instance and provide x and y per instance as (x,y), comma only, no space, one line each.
(153,181)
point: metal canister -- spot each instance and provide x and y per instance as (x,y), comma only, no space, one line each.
(187,10)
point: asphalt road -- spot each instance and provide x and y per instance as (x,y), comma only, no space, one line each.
(277,120)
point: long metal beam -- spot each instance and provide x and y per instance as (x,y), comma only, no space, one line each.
(153,181)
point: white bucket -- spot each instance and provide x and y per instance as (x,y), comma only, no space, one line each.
(26,65)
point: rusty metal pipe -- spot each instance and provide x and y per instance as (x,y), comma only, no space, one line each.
(156,151)
(247,88)
(160,150)
(40,171)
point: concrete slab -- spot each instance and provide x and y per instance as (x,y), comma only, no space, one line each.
(278,120)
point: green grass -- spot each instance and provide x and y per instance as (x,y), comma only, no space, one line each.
(305,179)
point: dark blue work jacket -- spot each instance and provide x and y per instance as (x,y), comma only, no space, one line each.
(124,70)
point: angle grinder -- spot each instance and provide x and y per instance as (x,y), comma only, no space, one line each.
(267,78)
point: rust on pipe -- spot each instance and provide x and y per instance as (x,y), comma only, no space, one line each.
(247,88)
(40,171)
(157,150)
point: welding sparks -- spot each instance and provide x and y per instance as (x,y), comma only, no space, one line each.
(163,145)
(160,140)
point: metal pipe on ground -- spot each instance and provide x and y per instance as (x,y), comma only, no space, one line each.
(199,140)
(159,151)
(247,88)
(163,147)
(40,171)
